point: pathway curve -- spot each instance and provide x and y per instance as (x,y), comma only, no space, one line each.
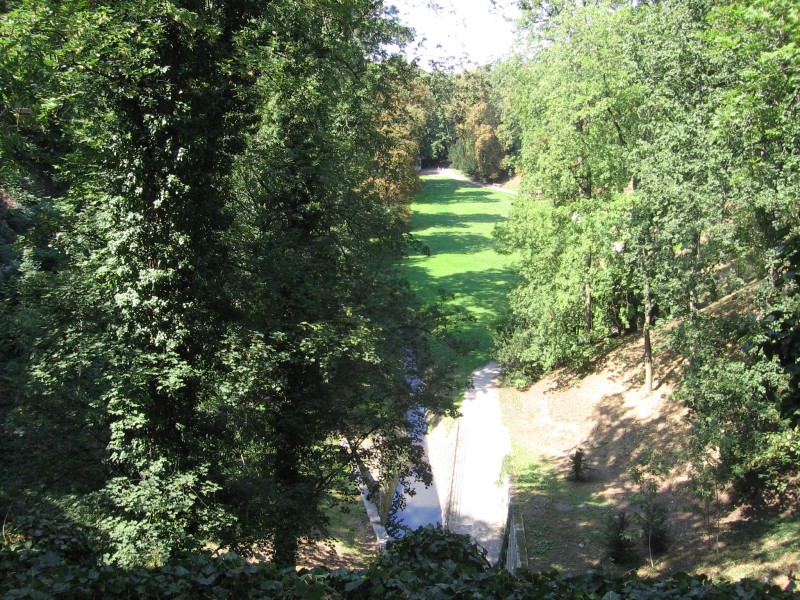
(453,174)
(478,498)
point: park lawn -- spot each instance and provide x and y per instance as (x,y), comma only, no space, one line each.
(455,220)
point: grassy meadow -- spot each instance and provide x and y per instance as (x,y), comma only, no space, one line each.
(454,220)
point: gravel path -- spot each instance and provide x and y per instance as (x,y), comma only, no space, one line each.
(478,503)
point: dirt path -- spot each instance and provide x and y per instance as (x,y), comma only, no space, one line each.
(453,174)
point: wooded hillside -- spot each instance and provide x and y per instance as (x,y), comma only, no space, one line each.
(205,333)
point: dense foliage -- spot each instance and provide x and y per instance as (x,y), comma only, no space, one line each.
(463,123)
(428,563)
(204,335)
(659,146)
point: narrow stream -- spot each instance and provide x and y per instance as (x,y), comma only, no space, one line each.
(420,509)
(423,507)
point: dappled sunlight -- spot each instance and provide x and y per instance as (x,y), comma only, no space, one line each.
(455,220)
(456,191)
(561,518)
(450,242)
(608,413)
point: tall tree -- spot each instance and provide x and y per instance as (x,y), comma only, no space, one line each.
(477,149)
(220,313)
(577,123)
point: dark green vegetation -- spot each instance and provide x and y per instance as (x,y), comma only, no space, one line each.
(460,266)
(205,332)
(200,223)
(428,563)
(659,147)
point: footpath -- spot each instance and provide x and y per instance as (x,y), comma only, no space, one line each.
(453,174)
(474,494)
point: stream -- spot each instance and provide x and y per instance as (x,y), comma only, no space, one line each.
(423,507)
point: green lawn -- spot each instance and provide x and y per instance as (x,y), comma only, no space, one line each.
(455,219)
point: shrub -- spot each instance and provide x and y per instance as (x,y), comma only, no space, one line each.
(579,465)
(620,540)
(652,516)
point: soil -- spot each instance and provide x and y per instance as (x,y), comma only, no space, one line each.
(608,414)
(352,549)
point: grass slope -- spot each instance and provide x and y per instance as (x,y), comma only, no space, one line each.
(455,219)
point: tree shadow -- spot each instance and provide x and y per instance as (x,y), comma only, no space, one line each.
(698,532)
(562,519)
(453,191)
(481,293)
(451,220)
(451,242)
(621,360)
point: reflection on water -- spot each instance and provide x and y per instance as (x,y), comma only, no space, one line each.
(423,507)
(420,509)
(410,512)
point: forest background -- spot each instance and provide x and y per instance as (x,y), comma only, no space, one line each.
(204,332)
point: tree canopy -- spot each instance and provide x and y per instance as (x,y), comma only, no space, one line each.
(206,330)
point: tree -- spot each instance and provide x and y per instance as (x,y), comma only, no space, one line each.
(439,134)
(328,325)
(753,46)
(577,125)
(220,312)
(630,149)
(477,150)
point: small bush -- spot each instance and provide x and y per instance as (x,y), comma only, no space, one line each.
(655,532)
(579,465)
(652,516)
(620,540)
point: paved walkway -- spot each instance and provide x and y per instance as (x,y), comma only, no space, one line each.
(478,503)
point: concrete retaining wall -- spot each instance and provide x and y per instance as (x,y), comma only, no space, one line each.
(441,440)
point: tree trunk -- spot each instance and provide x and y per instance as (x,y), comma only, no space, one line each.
(292,504)
(287,524)
(587,303)
(648,350)
(693,303)
(587,310)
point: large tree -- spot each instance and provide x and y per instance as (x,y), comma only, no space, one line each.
(218,315)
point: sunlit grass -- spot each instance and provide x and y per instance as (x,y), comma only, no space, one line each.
(765,546)
(455,220)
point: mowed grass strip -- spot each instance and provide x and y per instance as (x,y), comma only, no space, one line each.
(455,220)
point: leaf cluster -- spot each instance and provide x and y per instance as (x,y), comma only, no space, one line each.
(429,564)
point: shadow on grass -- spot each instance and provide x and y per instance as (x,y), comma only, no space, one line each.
(454,220)
(563,519)
(453,191)
(421,222)
(451,242)
(481,293)
(482,290)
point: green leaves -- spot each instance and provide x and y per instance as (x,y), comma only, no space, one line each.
(207,303)
(432,564)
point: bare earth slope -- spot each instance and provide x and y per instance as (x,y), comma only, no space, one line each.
(609,415)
